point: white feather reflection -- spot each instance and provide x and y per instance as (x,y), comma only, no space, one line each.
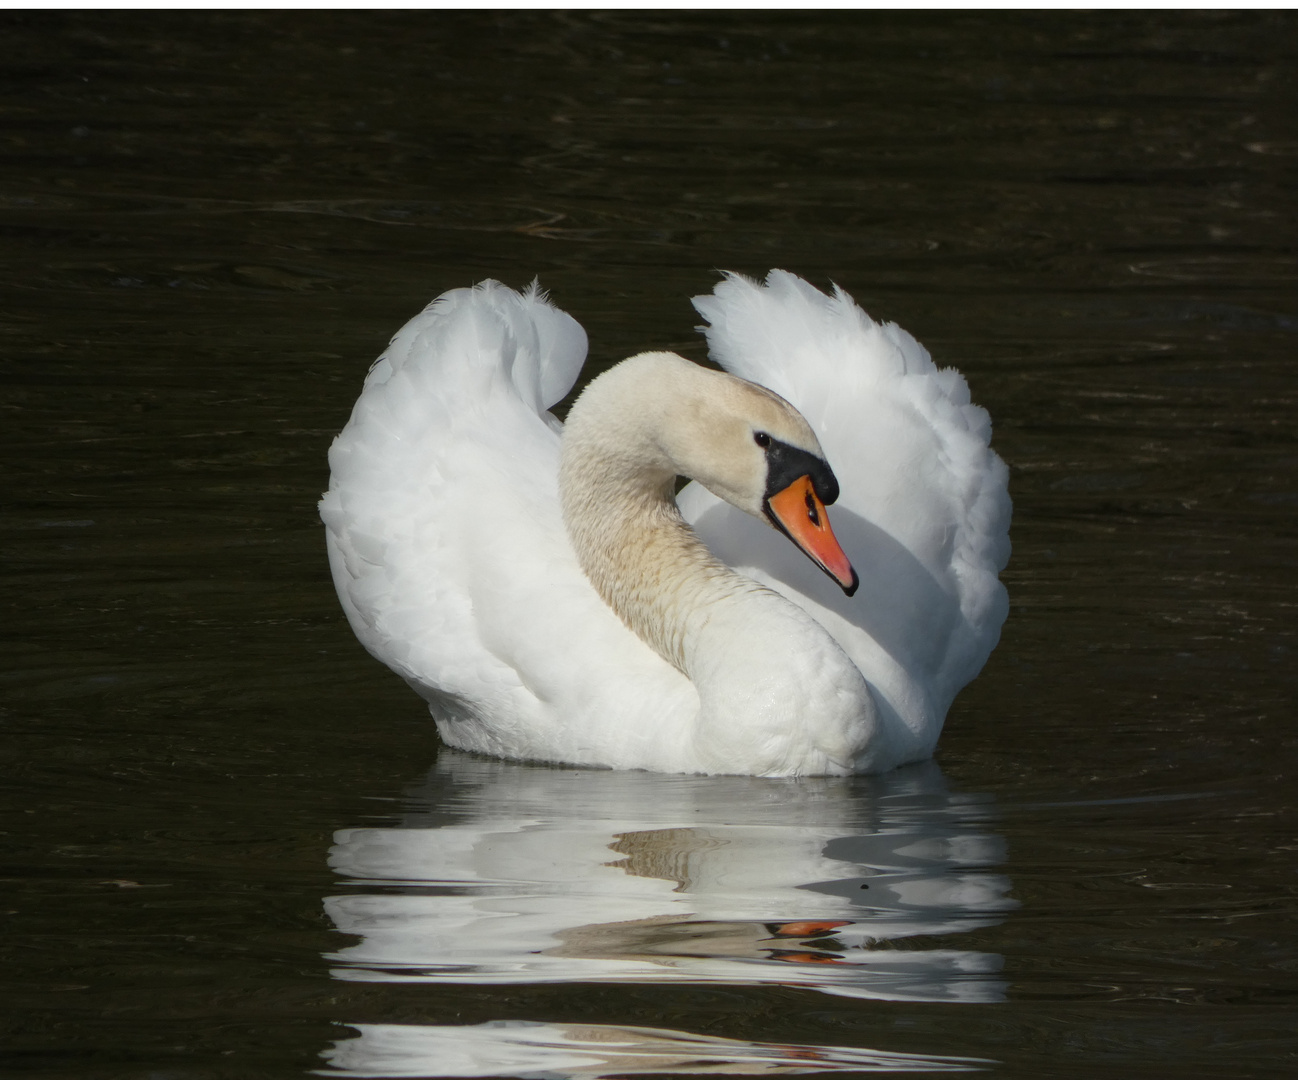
(514,1048)
(529,874)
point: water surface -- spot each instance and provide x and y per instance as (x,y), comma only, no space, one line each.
(232,845)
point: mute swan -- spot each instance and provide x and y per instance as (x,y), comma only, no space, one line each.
(538,587)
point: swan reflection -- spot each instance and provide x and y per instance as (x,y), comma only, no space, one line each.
(513,1048)
(509,873)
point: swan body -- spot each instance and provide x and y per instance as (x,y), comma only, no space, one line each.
(540,587)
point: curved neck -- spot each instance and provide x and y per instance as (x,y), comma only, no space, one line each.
(775,691)
(646,563)
(616,480)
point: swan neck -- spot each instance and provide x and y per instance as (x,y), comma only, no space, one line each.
(775,692)
(649,566)
(616,484)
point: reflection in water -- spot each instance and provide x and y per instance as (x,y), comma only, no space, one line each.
(511,1048)
(525,874)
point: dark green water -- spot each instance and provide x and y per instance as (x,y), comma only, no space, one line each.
(210,225)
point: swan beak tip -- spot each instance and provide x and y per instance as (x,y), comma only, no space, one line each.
(850,587)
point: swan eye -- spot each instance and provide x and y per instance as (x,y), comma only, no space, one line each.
(761,439)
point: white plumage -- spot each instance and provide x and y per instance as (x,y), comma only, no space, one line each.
(451,559)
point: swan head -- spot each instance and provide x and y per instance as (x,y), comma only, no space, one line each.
(750,447)
(665,417)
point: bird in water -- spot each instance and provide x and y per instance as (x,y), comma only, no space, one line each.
(542,587)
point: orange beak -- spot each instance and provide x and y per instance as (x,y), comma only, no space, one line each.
(798,511)
(807,928)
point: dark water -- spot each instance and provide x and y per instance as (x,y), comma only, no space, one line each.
(232,847)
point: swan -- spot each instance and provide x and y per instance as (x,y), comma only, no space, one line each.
(539,586)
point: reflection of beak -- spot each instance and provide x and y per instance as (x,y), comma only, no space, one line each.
(804,957)
(798,512)
(806,928)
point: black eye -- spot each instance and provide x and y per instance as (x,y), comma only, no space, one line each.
(761,439)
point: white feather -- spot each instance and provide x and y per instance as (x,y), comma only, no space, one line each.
(452,564)
(924,509)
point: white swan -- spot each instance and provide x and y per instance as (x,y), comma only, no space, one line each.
(450,487)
